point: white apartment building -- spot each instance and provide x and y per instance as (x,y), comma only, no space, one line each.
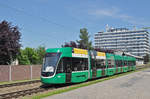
(135,41)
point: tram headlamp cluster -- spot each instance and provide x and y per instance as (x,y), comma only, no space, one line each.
(49,69)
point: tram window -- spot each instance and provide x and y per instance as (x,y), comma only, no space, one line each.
(60,67)
(67,64)
(110,63)
(134,63)
(104,65)
(100,63)
(120,63)
(86,64)
(93,63)
(125,63)
(75,64)
(117,63)
(79,64)
(129,63)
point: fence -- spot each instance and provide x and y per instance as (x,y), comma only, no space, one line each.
(19,72)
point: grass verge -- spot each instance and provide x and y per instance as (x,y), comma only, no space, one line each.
(39,96)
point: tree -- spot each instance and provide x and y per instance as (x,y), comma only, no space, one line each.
(84,39)
(104,50)
(70,44)
(23,59)
(31,55)
(41,53)
(9,42)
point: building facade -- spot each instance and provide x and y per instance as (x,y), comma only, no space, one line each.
(135,41)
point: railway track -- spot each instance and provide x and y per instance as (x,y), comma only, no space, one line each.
(21,93)
(19,83)
(141,67)
(17,94)
(38,89)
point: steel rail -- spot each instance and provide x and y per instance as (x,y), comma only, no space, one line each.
(38,89)
(21,93)
(19,83)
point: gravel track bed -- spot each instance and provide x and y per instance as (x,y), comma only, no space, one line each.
(19,88)
(34,85)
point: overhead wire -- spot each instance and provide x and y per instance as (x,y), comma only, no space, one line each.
(40,17)
(29,14)
(43,18)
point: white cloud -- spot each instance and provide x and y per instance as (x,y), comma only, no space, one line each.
(104,12)
(115,12)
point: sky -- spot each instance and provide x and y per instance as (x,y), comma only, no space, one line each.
(51,23)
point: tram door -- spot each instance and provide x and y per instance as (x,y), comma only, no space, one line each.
(67,64)
(117,64)
(103,68)
(94,70)
(103,71)
(68,73)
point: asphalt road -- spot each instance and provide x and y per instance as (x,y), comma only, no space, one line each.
(132,86)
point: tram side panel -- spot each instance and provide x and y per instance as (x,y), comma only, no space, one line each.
(98,64)
(119,63)
(111,67)
(79,65)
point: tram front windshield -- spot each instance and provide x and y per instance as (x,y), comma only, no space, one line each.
(50,62)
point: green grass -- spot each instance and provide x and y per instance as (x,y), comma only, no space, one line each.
(39,96)
(17,81)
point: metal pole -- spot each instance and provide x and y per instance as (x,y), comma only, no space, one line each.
(10,78)
(31,72)
(10,69)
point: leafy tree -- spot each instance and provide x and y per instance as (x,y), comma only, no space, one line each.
(23,59)
(9,42)
(70,44)
(31,55)
(84,39)
(73,44)
(66,44)
(41,53)
(104,50)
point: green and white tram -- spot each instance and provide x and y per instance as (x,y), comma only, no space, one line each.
(73,65)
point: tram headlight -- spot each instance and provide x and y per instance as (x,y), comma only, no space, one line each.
(49,69)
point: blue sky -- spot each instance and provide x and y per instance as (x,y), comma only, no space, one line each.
(53,22)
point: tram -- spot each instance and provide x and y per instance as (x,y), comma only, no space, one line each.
(74,65)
